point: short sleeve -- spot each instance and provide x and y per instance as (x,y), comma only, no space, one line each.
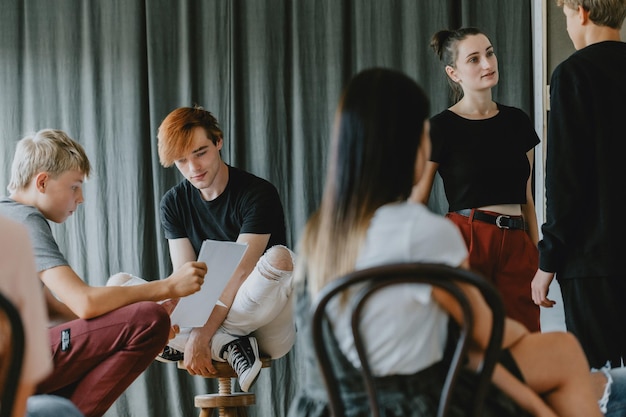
(171,221)
(263,210)
(45,248)
(437,138)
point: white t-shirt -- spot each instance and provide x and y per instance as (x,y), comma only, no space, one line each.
(402,232)
(20,284)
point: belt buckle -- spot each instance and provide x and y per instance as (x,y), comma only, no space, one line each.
(499,221)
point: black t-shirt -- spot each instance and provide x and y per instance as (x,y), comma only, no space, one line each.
(249,204)
(483,162)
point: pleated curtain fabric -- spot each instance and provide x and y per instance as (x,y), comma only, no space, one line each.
(109,71)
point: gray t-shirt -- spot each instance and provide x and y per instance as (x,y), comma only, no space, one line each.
(45,248)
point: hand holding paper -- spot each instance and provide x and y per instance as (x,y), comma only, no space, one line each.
(222,258)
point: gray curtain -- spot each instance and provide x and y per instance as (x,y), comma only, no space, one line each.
(108,71)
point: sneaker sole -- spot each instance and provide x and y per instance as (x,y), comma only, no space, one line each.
(256,371)
(162,359)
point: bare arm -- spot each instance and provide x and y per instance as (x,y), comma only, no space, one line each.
(540,286)
(87,302)
(24,390)
(513,330)
(528,209)
(181,251)
(521,393)
(198,349)
(57,311)
(421,190)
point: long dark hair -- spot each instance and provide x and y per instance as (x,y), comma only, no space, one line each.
(378,127)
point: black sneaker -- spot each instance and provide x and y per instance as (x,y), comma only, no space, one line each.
(170,355)
(243,355)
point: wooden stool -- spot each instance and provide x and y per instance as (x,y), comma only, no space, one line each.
(229,403)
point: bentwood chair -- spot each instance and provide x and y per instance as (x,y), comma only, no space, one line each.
(11,354)
(380,277)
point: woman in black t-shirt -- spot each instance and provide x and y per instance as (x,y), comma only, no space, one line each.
(484,152)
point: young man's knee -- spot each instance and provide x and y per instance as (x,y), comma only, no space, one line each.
(151,313)
(123,279)
(280,258)
(275,262)
(152,317)
(118,279)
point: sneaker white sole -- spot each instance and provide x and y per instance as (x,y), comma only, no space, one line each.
(162,359)
(248,382)
(254,370)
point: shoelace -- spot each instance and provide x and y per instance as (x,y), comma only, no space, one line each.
(238,360)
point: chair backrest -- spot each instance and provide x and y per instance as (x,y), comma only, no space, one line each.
(11,354)
(382,276)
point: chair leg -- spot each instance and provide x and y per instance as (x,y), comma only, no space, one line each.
(232,412)
(225,388)
(227,403)
(225,412)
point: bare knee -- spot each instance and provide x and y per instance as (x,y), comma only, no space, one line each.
(280,258)
(118,279)
(123,279)
(276,262)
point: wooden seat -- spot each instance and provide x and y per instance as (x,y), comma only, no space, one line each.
(229,403)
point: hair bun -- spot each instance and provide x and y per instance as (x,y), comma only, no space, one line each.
(439,41)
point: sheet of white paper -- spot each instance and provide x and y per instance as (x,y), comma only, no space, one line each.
(221,259)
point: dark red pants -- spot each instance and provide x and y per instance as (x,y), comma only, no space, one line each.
(509,259)
(105,355)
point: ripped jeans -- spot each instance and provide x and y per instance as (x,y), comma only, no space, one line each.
(262,307)
(614,404)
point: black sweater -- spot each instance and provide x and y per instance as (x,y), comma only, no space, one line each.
(585,230)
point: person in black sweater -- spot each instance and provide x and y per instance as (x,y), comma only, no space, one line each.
(484,152)
(583,235)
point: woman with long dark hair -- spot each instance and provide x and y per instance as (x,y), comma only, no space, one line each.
(379,148)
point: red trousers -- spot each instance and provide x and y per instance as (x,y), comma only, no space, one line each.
(104,355)
(509,259)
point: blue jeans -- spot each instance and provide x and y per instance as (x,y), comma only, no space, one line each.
(617,398)
(51,406)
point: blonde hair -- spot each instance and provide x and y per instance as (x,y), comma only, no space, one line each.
(47,150)
(610,13)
